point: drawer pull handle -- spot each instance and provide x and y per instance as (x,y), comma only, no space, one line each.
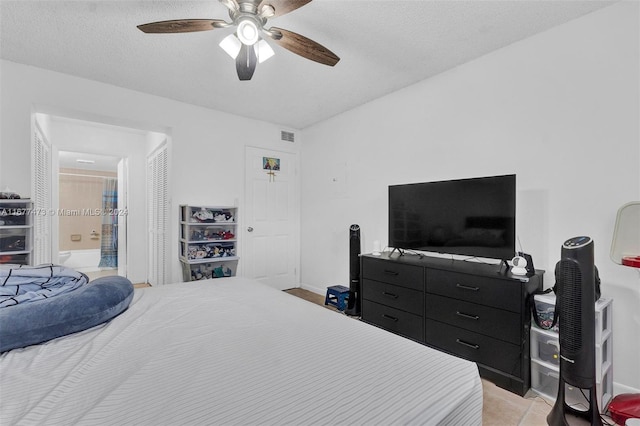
(391,295)
(470,345)
(469,316)
(389,317)
(466,287)
(388,272)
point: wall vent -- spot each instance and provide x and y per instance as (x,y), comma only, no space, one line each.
(287,136)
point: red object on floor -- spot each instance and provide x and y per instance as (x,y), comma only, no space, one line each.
(625,406)
(633,261)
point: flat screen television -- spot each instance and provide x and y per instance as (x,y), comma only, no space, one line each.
(473,217)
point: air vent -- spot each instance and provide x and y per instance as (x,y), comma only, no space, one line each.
(287,136)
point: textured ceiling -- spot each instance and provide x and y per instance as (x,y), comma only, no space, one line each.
(383,46)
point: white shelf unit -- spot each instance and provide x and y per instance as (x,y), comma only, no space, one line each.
(545,359)
(16,231)
(208,241)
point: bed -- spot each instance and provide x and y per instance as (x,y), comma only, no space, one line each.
(234,351)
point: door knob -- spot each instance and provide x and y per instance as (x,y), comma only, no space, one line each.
(249,229)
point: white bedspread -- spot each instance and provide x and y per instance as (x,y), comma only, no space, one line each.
(234,351)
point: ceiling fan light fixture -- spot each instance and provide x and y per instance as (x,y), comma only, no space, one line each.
(248,32)
(231,45)
(263,51)
(246,46)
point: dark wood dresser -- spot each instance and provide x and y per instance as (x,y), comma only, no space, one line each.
(472,310)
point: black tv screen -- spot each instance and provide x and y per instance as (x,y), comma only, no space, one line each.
(474,217)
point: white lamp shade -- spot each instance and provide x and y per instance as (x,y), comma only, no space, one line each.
(263,51)
(231,45)
(626,234)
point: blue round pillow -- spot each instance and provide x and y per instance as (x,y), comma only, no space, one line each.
(39,321)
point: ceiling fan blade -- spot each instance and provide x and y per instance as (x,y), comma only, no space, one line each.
(246,62)
(282,7)
(181,26)
(300,45)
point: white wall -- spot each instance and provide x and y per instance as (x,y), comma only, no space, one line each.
(206,147)
(561,110)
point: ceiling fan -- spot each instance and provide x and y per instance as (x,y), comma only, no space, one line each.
(246,45)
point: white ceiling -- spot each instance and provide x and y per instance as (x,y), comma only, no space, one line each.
(384,45)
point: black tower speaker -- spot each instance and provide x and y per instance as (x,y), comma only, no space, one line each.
(575,302)
(355,296)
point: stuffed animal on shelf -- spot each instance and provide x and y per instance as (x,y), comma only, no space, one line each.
(198,235)
(203,215)
(223,216)
(226,235)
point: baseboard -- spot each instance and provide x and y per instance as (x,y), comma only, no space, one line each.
(619,388)
(318,290)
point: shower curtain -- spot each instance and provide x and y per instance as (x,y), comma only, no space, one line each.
(109,243)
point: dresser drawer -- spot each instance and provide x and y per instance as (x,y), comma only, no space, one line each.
(409,276)
(475,347)
(497,323)
(395,320)
(503,294)
(402,298)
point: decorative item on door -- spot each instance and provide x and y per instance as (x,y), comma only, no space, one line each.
(272,165)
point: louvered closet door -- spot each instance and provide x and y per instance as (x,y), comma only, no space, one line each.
(41,197)
(158,212)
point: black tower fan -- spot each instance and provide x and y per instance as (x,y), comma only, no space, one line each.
(575,302)
(355,296)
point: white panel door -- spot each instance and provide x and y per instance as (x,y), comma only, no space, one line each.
(270,226)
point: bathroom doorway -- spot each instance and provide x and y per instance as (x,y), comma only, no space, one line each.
(129,148)
(92,213)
